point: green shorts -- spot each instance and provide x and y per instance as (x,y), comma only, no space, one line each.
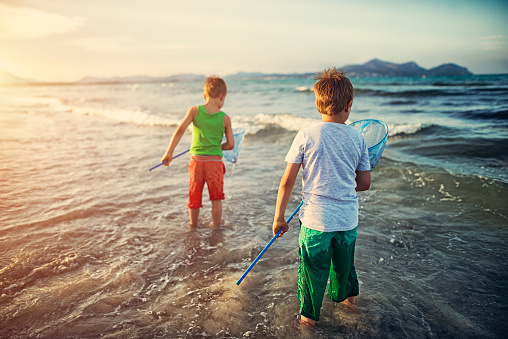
(324,255)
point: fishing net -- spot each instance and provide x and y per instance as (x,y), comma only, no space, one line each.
(375,133)
(232,155)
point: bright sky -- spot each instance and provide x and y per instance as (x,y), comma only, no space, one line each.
(65,40)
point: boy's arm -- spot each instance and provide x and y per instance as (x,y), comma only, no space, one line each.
(287,183)
(362,180)
(230,138)
(177,135)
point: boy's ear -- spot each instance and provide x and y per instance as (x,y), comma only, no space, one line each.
(349,105)
(223,95)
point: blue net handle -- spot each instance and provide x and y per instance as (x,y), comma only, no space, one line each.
(375,133)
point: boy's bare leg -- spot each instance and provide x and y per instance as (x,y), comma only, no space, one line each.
(193,216)
(217,212)
(307,321)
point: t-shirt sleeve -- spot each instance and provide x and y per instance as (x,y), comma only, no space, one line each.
(364,164)
(295,154)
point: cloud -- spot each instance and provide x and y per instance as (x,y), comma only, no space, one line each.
(494,42)
(125,44)
(27,23)
(104,44)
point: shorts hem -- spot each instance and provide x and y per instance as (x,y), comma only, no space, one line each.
(339,301)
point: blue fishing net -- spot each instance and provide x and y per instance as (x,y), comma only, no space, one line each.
(375,133)
(232,155)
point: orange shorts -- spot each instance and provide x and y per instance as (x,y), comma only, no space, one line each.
(209,169)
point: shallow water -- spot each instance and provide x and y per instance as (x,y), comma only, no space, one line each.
(95,245)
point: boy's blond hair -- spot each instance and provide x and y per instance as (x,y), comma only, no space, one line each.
(215,87)
(333,91)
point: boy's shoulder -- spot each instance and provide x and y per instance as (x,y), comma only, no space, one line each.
(202,108)
(329,131)
(193,111)
(312,128)
(328,126)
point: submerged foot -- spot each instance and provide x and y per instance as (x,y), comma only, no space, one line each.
(351,300)
(307,321)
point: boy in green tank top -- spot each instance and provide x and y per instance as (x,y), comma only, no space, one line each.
(206,166)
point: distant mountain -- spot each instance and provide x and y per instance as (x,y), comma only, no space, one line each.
(375,67)
(380,68)
(9,79)
(448,69)
(267,76)
(244,75)
(191,77)
(184,77)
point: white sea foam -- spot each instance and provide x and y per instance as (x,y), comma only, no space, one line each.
(304,89)
(129,115)
(134,115)
(261,121)
(139,116)
(397,129)
(37,101)
(293,123)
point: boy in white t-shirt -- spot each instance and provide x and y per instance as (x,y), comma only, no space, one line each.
(335,164)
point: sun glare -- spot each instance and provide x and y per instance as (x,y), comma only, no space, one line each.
(26,23)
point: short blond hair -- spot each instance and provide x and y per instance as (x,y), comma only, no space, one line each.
(215,87)
(333,91)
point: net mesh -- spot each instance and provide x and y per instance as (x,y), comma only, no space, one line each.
(375,133)
(232,155)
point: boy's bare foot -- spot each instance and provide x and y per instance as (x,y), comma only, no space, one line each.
(307,322)
(351,300)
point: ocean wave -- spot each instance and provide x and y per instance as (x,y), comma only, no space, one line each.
(252,124)
(134,115)
(483,114)
(288,122)
(264,121)
(433,92)
(494,90)
(491,152)
(138,116)
(401,102)
(34,102)
(128,115)
(304,89)
(405,129)
(452,83)
(410,93)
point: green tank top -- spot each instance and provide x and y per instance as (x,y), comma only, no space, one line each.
(207,132)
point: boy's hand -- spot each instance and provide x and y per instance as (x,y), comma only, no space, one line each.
(167,158)
(277,225)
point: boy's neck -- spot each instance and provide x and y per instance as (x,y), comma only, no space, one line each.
(214,105)
(339,118)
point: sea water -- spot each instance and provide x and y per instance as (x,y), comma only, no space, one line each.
(93,245)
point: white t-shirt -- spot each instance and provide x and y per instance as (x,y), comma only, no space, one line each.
(330,154)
